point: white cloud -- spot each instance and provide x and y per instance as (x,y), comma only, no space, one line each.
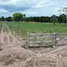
(8,2)
(29,12)
(32,3)
(3,11)
(32,7)
(43,3)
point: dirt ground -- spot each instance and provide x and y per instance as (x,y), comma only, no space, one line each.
(14,54)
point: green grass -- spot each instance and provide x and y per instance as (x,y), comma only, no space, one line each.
(22,28)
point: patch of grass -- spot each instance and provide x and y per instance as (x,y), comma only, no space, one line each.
(22,28)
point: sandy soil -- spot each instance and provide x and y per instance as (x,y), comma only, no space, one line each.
(13,54)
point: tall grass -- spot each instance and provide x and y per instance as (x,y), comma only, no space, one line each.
(22,28)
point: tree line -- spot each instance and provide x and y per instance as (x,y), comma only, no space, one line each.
(19,17)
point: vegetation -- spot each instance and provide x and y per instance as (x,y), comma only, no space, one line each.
(62,18)
(54,19)
(43,24)
(17,17)
(24,27)
(22,17)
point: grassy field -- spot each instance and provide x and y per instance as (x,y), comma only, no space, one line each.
(22,28)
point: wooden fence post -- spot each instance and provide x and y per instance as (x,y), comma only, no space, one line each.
(28,38)
(54,39)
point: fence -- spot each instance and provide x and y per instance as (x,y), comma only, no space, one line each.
(61,39)
(46,39)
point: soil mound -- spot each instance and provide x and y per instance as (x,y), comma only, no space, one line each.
(12,54)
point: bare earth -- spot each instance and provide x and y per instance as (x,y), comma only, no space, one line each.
(13,54)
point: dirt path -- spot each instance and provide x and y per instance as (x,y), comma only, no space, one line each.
(14,55)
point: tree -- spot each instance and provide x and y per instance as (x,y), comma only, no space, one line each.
(62,18)
(9,19)
(2,18)
(65,11)
(54,19)
(18,16)
(24,16)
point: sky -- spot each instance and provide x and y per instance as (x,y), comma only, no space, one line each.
(31,7)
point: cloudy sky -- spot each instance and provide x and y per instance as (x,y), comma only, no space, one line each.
(31,7)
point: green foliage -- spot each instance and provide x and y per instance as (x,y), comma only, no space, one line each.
(2,18)
(62,18)
(23,28)
(18,16)
(54,19)
(9,19)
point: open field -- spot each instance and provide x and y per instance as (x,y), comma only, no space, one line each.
(14,54)
(22,28)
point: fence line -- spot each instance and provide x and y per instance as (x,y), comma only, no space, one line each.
(46,39)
